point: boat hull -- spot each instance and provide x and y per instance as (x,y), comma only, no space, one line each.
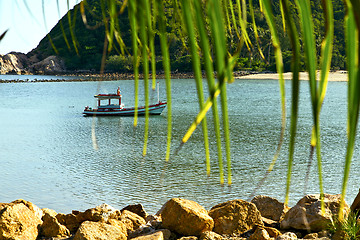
(155,109)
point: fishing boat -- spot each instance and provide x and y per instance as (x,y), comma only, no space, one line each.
(110,105)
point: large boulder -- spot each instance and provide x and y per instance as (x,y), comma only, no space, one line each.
(235,217)
(98,231)
(19,220)
(270,207)
(185,217)
(307,214)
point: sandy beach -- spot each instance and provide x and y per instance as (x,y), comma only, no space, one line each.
(337,76)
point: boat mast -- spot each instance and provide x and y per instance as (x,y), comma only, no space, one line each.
(158,91)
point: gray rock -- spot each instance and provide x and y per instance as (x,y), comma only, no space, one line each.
(50,65)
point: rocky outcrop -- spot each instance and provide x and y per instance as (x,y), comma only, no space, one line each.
(14,63)
(20,63)
(185,217)
(307,214)
(236,216)
(50,65)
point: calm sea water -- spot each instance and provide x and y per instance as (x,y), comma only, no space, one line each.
(47,155)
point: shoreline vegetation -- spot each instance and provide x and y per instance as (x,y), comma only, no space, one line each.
(334,76)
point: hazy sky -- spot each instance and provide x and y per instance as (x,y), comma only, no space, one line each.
(25,22)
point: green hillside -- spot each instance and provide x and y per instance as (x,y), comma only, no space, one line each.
(82,47)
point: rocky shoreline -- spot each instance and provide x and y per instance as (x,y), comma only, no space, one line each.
(15,63)
(81,77)
(263,218)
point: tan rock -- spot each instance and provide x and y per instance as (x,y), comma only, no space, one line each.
(35,209)
(131,220)
(270,207)
(52,228)
(185,217)
(136,208)
(307,215)
(18,221)
(209,235)
(311,236)
(260,234)
(119,224)
(154,220)
(163,234)
(270,223)
(98,231)
(235,217)
(51,212)
(273,232)
(287,236)
(69,221)
(100,213)
(188,238)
